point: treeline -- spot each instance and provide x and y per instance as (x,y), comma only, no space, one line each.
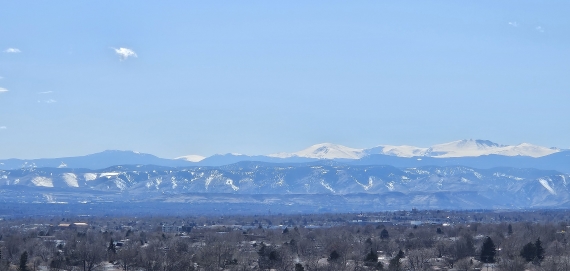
(300,242)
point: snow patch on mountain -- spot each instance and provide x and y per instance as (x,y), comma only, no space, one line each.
(230,182)
(108,175)
(70,179)
(90,176)
(546,185)
(42,181)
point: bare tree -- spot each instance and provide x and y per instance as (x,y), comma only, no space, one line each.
(514,264)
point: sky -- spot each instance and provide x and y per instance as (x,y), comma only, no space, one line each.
(175,78)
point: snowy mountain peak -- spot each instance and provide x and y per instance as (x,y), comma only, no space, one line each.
(325,151)
(459,148)
(191,158)
(470,147)
(400,151)
(465,147)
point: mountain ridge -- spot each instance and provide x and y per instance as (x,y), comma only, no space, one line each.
(477,153)
(465,187)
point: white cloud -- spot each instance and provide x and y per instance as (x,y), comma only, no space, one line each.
(12,50)
(539,29)
(513,24)
(125,53)
(45,92)
(3,90)
(1,77)
(3,127)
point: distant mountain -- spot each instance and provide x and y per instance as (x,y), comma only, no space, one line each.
(470,147)
(230,158)
(94,161)
(460,148)
(476,153)
(325,151)
(422,187)
(191,158)
(559,161)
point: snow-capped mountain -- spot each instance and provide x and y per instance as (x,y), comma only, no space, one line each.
(484,153)
(459,148)
(399,151)
(191,158)
(470,148)
(325,151)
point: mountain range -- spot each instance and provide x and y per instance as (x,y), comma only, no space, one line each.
(381,186)
(472,153)
(467,174)
(460,148)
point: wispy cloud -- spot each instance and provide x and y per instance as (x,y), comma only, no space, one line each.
(125,53)
(514,24)
(45,92)
(3,127)
(1,77)
(3,90)
(12,50)
(50,101)
(539,29)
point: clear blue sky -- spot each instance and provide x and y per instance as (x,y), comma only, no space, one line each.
(258,77)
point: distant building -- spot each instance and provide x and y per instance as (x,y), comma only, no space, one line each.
(75,225)
(171,228)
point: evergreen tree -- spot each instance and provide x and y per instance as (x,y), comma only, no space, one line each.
(384,234)
(510,230)
(299,267)
(528,252)
(23,262)
(539,250)
(371,257)
(111,247)
(334,256)
(488,251)
(400,254)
